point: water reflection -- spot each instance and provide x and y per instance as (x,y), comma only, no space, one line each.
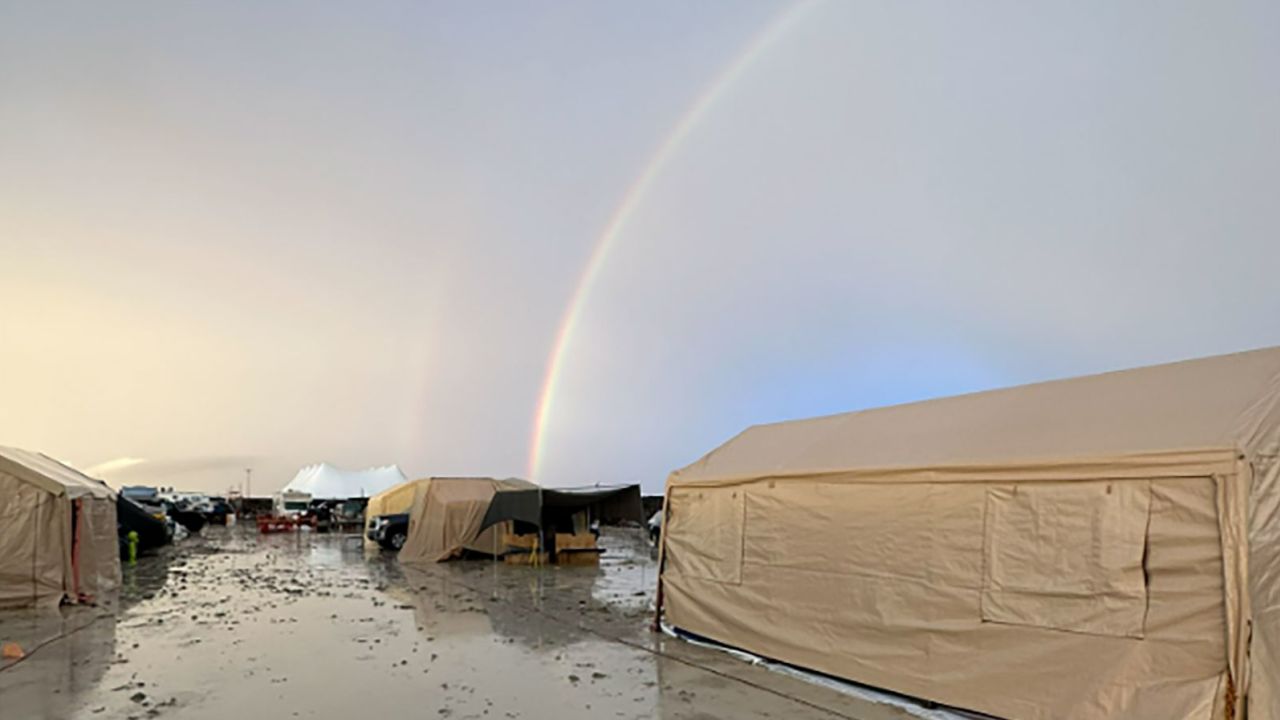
(69,649)
(50,680)
(539,608)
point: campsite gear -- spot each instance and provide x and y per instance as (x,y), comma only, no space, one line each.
(133,547)
(58,533)
(1106,546)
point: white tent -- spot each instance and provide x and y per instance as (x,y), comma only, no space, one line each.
(326,482)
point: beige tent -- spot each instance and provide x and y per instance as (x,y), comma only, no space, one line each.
(1107,546)
(57,533)
(446,517)
(394,500)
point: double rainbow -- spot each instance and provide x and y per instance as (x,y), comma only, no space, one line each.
(631,201)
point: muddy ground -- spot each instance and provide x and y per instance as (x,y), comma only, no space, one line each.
(236,625)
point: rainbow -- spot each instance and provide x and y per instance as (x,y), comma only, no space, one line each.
(631,201)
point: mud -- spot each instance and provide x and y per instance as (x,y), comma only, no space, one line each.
(231,624)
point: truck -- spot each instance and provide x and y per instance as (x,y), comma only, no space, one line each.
(389,531)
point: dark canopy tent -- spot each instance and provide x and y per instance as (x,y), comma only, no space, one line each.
(546,509)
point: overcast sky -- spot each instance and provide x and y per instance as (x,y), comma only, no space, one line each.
(270,234)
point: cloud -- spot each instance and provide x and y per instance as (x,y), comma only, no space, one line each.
(109,468)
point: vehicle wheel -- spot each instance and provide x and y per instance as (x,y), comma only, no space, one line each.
(397,541)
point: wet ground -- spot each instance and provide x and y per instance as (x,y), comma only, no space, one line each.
(232,624)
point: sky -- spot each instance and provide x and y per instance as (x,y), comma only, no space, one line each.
(587,242)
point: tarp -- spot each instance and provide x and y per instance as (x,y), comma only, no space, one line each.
(398,499)
(326,482)
(57,533)
(542,506)
(130,516)
(393,501)
(446,516)
(1106,546)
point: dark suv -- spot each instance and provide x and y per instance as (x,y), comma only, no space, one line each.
(389,531)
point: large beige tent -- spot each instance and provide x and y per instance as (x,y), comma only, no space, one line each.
(1107,546)
(446,517)
(57,533)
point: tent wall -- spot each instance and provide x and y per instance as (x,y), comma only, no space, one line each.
(1264,576)
(34,544)
(1079,597)
(97,550)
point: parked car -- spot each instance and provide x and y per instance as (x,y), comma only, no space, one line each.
(218,511)
(389,531)
(181,511)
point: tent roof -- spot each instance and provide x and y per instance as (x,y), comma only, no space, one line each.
(326,482)
(406,486)
(499,483)
(532,504)
(49,474)
(1224,402)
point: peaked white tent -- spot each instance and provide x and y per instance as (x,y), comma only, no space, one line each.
(326,482)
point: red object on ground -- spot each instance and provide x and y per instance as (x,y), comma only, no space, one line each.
(276,523)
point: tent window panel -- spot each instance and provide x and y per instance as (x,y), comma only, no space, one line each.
(704,533)
(1068,556)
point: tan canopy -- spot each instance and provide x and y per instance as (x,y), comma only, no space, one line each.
(398,499)
(1106,546)
(394,500)
(446,518)
(57,533)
